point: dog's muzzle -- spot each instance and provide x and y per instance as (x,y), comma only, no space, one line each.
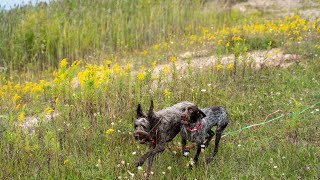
(142,136)
(185,119)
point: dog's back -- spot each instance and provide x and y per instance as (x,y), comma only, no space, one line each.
(173,113)
(215,116)
(170,120)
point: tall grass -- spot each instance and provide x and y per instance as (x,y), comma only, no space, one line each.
(37,37)
(84,110)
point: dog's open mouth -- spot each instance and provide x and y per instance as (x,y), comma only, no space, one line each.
(142,136)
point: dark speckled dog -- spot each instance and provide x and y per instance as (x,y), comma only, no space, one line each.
(196,127)
(157,128)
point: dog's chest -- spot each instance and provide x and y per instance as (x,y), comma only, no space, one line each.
(198,136)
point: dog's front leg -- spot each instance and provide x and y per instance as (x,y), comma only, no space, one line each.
(160,147)
(184,151)
(143,158)
(196,157)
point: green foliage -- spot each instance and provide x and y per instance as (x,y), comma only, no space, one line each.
(44,34)
(90,137)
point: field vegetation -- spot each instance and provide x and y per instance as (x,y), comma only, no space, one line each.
(72,73)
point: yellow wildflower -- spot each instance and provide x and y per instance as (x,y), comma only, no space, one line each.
(76,63)
(17,106)
(166,93)
(236,38)
(230,66)
(165,70)
(154,63)
(116,69)
(108,62)
(219,42)
(141,76)
(63,63)
(109,131)
(218,67)
(66,161)
(24,106)
(21,117)
(228,44)
(128,67)
(173,59)
(49,110)
(16,97)
(145,52)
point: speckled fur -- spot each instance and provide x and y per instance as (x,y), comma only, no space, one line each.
(214,116)
(167,123)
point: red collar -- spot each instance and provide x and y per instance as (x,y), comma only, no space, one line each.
(196,128)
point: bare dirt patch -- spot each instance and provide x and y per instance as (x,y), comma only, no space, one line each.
(256,59)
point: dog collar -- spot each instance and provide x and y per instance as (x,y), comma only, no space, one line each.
(196,128)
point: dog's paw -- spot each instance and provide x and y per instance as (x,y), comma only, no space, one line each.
(186,154)
(139,162)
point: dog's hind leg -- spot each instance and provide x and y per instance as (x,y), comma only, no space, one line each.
(216,143)
(211,134)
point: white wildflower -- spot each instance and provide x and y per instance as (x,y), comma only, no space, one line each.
(174,152)
(130,173)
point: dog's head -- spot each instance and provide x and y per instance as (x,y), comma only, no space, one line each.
(191,115)
(143,124)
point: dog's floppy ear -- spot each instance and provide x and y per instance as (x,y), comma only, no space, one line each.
(202,113)
(139,111)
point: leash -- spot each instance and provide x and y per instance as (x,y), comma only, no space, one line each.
(292,114)
(154,141)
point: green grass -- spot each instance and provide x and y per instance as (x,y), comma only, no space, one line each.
(76,145)
(38,37)
(283,149)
